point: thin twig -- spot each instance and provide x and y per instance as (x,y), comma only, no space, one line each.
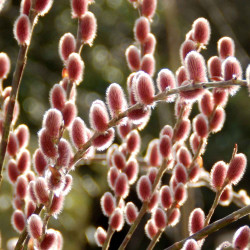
(215,226)
(108,239)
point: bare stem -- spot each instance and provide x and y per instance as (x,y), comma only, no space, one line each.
(154,240)
(213,227)
(108,239)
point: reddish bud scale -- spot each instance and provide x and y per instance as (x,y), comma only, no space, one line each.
(67,184)
(201,30)
(149,44)
(67,45)
(226,47)
(220,96)
(47,144)
(191,244)
(131,212)
(79,8)
(206,103)
(4,65)
(184,156)
(144,188)
(195,65)
(151,229)
(218,174)
(148,64)
(49,240)
(124,129)
(43,6)
(121,186)
(186,47)
(57,97)
(226,196)
(214,68)
(174,217)
(183,131)
(39,162)
(13,144)
(133,141)
(180,174)
(22,29)
(218,120)
(23,161)
(148,8)
(165,146)
(108,204)
(141,29)
(56,204)
(88,28)
(78,132)
(21,187)
(160,218)
(42,191)
(98,116)
(166,197)
(153,155)
(133,58)
(196,220)
(18,221)
(241,238)
(116,220)
(69,113)
(200,125)
(100,236)
(103,141)
(13,172)
(35,226)
(75,67)
(132,170)
(180,194)
(23,135)
(236,168)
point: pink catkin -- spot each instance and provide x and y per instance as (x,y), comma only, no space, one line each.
(79,7)
(201,30)
(23,135)
(52,121)
(39,162)
(241,238)
(141,29)
(103,141)
(160,218)
(184,156)
(21,187)
(183,131)
(56,204)
(108,204)
(69,113)
(25,7)
(174,217)
(41,191)
(181,174)
(133,58)
(165,80)
(100,236)
(12,171)
(30,208)
(200,126)
(148,8)
(151,229)
(49,240)
(214,68)
(148,64)
(165,146)
(149,44)
(153,156)
(167,130)
(191,244)
(13,144)
(43,6)
(4,65)
(186,47)
(35,226)
(23,161)
(133,141)
(226,47)
(144,188)
(75,67)
(67,45)
(78,132)
(131,170)
(131,212)
(218,120)
(166,197)
(180,193)
(18,221)
(153,203)
(116,220)
(206,103)
(220,96)
(218,174)
(64,153)
(57,97)
(22,29)
(196,220)
(121,186)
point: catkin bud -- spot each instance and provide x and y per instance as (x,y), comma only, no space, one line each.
(206,103)
(42,6)
(67,45)
(115,99)
(236,168)
(166,197)
(144,188)
(25,7)
(23,135)
(21,187)
(98,116)
(121,186)
(151,229)
(153,203)
(181,75)
(57,97)
(112,176)
(214,68)
(166,79)
(52,121)
(144,89)
(39,162)
(75,67)
(119,160)
(56,204)
(22,30)
(12,170)
(186,47)
(131,170)
(165,146)
(13,145)
(148,8)
(116,220)
(133,58)
(69,113)
(133,141)
(49,240)
(64,153)
(160,218)
(148,64)
(226,196)
(174,217)
(218,175)
(180,193)
(218,120)
(184,156)
(41,190)
(183,131)
(47,144)
(200,125)
(167,130)
(23,161)
(149,44)
(18,221)
(196,220)
(201,30)
(124,128)
(4,65)
(130,212)
(100,236)
(88,28)
(103,141)
(180,174)
(196,68)
(241,238)
(78,132)
(225,47)
(220,96)
(79,8)
(67,184)
(35,226)
(191,244)
(108,204)
(141,29)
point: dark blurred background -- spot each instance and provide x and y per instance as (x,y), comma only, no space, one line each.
(105,63)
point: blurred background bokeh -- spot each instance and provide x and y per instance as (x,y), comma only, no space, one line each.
(105,63)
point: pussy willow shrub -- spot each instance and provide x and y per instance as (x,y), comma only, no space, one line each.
(173,162)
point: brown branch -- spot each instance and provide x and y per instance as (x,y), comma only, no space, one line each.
(215,226)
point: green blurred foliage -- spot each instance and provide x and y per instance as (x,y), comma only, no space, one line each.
(105,63)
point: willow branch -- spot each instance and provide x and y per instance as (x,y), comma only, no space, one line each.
(215,226)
